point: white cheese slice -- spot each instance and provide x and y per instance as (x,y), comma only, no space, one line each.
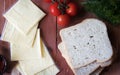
(30,67)
(24,15)
(12,35)
(18,67)
(52,70)
(22,52)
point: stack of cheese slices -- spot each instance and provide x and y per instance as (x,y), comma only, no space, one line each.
(26,46)
(86,47)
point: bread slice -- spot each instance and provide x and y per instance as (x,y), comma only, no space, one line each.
(97,71)
(64,54)
(90,69)
(89,41)
(62,49)
(85,70)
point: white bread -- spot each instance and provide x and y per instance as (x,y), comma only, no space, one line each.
(85,70)
(89,41)
(91,68)
(62,49)
(97,71)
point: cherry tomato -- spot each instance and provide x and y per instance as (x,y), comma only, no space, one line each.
(72,9)
(63,20)
(48,1)
(67,1)
(54,10)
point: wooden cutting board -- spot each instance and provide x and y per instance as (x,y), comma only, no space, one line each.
(50,35)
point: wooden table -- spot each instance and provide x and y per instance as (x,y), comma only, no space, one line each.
(50,35)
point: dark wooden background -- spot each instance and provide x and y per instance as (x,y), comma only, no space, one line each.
(50,35)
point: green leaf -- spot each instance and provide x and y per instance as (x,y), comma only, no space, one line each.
(106,9)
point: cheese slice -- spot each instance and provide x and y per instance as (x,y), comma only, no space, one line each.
(52,70)
(24,15)
(18,67)
(30,67)
(12,35)
(15,71)
(22,52)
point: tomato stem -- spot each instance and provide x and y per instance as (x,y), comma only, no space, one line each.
(53,1)
(64,1)
(62,6)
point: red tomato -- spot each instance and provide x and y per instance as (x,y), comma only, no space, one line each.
(48,1)
(67,1)
(63,20)
(72,9)
(54,10)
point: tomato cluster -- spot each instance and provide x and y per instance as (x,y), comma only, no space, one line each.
(63,9)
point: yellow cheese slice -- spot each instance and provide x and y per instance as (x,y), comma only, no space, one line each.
(30,67)
(24,15)
(22,52)
(12,35)
(52,70)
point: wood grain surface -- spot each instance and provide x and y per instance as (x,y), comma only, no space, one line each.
(50,35)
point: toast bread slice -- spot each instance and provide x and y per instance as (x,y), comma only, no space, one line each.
(97,71)
(89,41)
(85,70)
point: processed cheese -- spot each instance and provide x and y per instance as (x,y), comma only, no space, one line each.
(12,35)
(24,15)
(30,67)
(22,52)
